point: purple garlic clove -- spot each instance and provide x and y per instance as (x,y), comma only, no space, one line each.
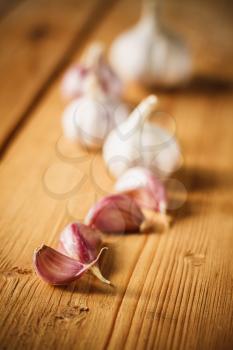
(117,213)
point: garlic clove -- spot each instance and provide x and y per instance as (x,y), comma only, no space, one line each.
(80,242)
(73,84)
(77,252)
(144,187)
(115,214)
(58,269)
(93,63)
(99,67)
(73,81)
(109,81)
(89,122)
(90,118)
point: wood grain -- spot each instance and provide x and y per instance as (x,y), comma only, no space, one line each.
(38,37)
(172,290)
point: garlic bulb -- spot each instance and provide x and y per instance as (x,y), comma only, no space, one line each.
(150,55)
(90,118)
(137,142)
(93,62)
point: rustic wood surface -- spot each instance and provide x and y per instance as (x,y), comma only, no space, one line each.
(38,37)
(172,290)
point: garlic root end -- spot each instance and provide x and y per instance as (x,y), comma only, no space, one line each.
(155,221)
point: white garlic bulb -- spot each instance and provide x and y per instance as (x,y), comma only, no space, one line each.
(90,118)
(150,55)
(137,142)
(93,62)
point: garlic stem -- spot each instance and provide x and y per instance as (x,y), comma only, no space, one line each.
(155,221)
(96,272)
(92,56)
(151,9)
(92,87)
(142,112)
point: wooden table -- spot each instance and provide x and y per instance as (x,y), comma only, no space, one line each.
(172,290)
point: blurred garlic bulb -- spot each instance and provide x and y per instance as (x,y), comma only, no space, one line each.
(150,55)
(137,142)
(93,62)
(90,118)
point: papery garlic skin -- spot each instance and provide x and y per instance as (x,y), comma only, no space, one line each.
(137,142)
(58,269)
(144,187)
(80,242)
(89,120)
(78,251)
(73,84)
(117,213)
(149,55)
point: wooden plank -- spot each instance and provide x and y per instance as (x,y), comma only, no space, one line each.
(38,37)
(7,5)
(30,34)
(172,290)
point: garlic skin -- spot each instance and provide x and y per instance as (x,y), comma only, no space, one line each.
(80,242)
(90,118)
(78,251)
(97,107)
(137,142)
(93,62)
(73,81)
(58,269)
(117,213)
(149,55)
(144,187)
